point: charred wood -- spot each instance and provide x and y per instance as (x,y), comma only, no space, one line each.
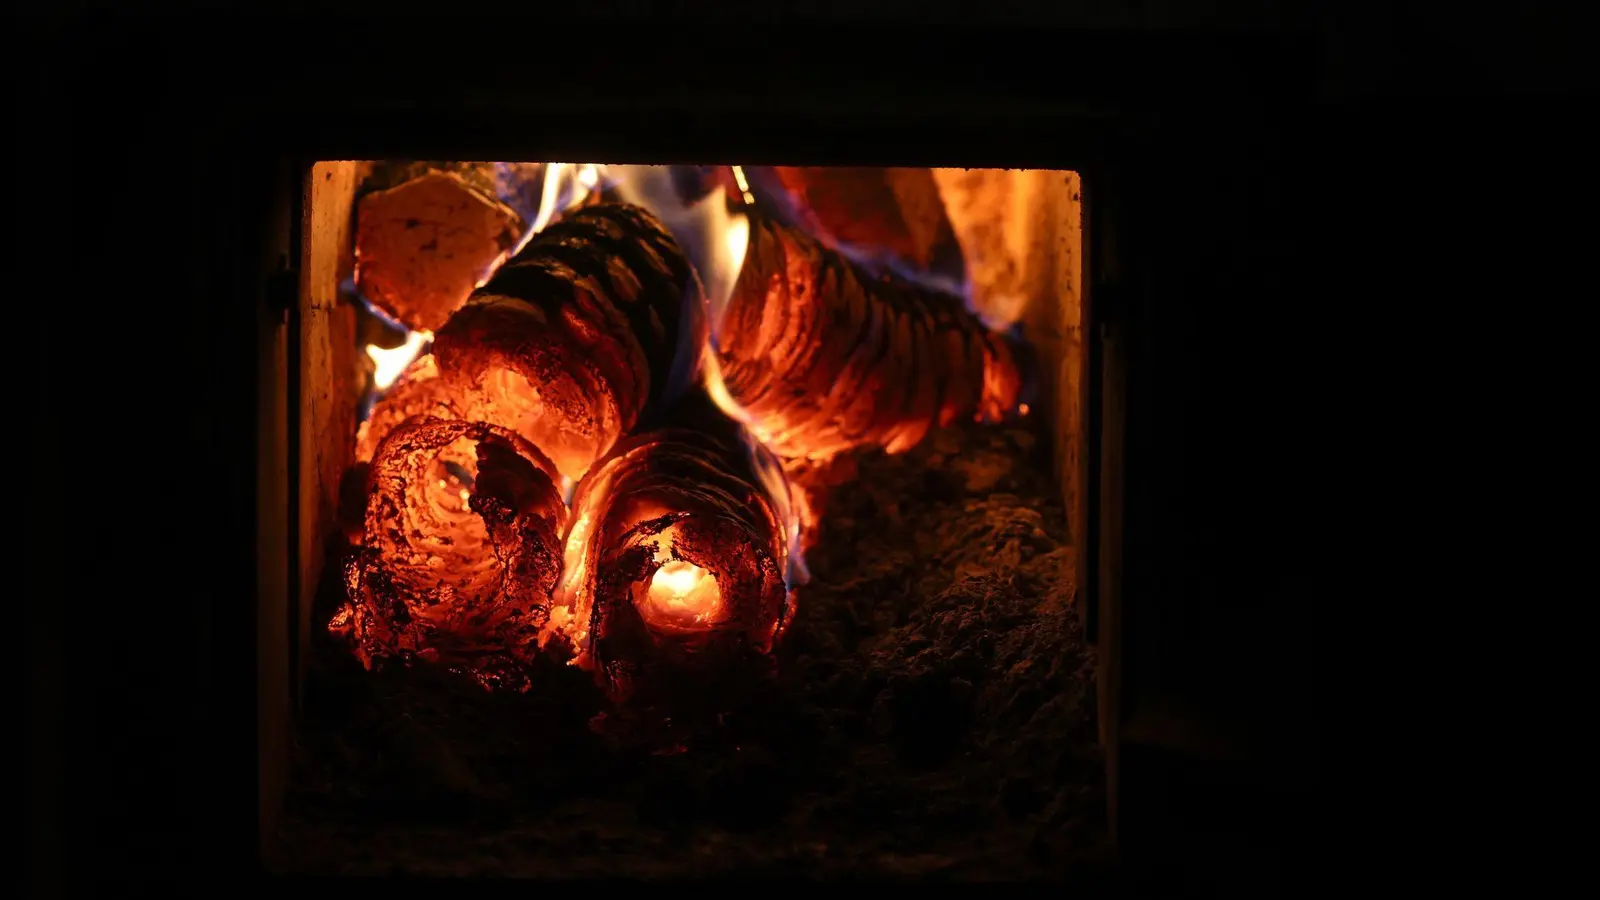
(427,233)
(676,554)
(824,356)
(459,554)
(576,341)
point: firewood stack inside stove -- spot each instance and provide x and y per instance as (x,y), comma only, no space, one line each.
(616,369)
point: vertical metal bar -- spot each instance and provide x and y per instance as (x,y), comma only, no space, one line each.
(1105,389)
(299,187)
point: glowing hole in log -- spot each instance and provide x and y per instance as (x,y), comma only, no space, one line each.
(677,554)
(681,595)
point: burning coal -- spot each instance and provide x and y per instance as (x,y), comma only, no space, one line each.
(460,551)
(678,552)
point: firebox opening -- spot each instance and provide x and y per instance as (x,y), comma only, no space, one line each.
(728,505)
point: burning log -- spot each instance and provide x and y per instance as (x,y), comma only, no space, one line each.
(421,392)
(460,551)
(894,211)
(820,356)
(427,233)
(598,321)
(678,555)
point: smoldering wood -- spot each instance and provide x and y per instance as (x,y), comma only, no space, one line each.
(457,580)
(423,245)
(516,184)
(825,355)
(934,692)
(848,749)
(888,212)
(428,232)
(601,311)
(708,506)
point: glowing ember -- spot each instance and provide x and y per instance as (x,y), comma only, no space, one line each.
(565,186)
(713,237)
(661,374)
(390,363)
(677,546)
(813,354)
(885,215)
(820,357)
(561,186)
(682,594)
(423,244)
(597,321)
(744,186)
(459,553)
(420,392)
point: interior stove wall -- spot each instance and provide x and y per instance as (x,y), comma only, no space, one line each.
(329,369)
(1021,232)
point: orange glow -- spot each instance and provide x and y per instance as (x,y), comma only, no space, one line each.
(390,363)
(720,236)
(744,186)
(722,556)
(565,186)
(717,389)
(439,579)
(681,594)
(1023,409)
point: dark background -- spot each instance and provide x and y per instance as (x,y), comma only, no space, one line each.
(1289,192)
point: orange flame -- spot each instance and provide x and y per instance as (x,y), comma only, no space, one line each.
(714,238)
(717,240)
(565,185)
(744,186)
(390,363)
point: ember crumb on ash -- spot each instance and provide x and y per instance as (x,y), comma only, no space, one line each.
(932,716)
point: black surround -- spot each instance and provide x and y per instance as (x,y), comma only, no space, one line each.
(1202,157)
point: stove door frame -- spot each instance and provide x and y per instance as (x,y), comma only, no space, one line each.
(912,95)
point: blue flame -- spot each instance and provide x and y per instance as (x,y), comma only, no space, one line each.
(767,467)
